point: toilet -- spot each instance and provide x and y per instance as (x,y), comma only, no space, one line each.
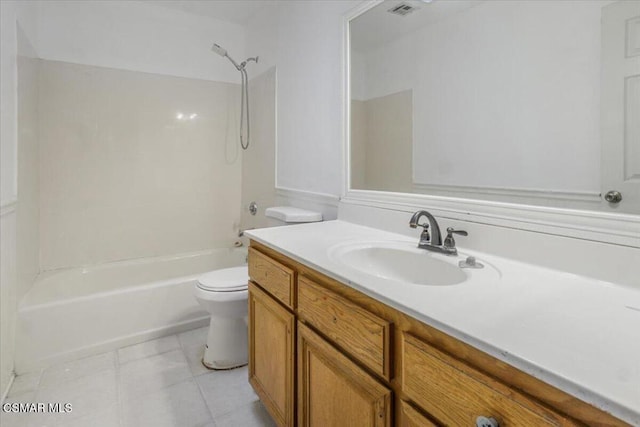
(224,294)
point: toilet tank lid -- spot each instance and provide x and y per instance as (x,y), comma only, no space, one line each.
(291,214)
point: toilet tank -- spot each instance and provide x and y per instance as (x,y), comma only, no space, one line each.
(286,215)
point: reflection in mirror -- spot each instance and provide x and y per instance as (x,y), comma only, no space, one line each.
(523,101)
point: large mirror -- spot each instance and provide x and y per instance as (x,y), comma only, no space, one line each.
(523,101)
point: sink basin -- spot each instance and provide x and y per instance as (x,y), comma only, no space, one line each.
(401,262)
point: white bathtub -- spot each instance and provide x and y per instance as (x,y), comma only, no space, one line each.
(77,312)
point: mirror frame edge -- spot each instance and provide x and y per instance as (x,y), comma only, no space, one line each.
(605,227)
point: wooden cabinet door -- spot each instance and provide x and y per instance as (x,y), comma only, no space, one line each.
(271,354)
(409,417)
(335,392)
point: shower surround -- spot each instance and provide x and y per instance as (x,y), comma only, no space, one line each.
(137,189)
(134,165)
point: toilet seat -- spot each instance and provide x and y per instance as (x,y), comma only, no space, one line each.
(232,279)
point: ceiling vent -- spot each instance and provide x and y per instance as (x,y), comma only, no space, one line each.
(402,9)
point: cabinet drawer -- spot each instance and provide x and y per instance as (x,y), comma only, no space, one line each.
(363,335)
(273,277)
(457,394)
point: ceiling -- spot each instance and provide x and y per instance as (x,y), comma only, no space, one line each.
(235,11)
(377,27)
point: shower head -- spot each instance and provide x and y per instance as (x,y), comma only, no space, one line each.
(223,52)
(219,50)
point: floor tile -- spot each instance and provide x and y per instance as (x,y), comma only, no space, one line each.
(148,348)
(77,369)
(25,383)
(11,419)
(225,391)
(194,337)
(179,405)
(154,385)
(252,415)
(89,395)
(110,418)
(194,356)
(152,373)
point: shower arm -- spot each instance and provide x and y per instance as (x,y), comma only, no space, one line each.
(235,64)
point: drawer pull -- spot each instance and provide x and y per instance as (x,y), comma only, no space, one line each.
(486,422)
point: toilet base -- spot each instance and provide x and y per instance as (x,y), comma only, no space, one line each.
(213,368)
(226,344)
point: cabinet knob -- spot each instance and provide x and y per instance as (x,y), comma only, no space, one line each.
(486,422)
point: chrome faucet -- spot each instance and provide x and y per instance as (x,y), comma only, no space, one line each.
(433,241)
(425,239)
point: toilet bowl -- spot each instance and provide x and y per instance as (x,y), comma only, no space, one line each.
(224,294)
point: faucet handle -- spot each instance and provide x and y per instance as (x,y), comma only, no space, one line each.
(451,231)
(449,241)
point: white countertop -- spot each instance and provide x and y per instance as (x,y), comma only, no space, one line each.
(578,334)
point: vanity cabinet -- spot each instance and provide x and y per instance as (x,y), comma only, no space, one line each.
(323,354)
(272,327)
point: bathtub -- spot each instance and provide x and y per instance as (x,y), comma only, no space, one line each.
(78,312)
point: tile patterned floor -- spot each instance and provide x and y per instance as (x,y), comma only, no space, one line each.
(159,383)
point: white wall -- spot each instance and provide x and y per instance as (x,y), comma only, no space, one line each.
(505,93)
(28,174)
(26,14)
(8,295)
(11,12)
(135,36)
(305,41)
(358,75)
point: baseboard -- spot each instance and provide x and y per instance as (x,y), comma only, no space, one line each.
(112,345)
